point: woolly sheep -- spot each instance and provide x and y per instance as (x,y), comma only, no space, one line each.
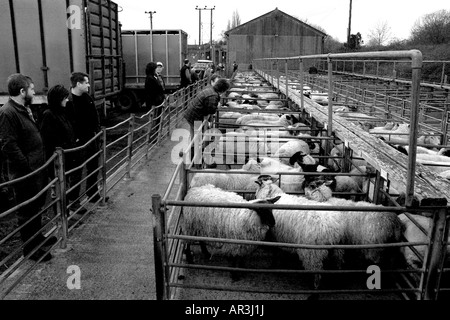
(413,234)
(282,122)
(336,164)
(230,181)
(304,227)
(229,223)
(240,142)
(362,227)
(288,149)
(252,117)
(339,183)
(289,183)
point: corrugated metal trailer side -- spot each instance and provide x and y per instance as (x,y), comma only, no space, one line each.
(47,40)
(169,47)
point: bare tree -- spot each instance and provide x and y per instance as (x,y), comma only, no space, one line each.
(380,35)
(235,20)
(432,28)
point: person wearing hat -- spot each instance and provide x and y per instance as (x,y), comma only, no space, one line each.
(185,74)
(159,68)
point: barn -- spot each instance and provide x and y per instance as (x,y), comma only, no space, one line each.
(274,34)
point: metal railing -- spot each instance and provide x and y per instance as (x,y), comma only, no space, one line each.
(169,239)
(122,147)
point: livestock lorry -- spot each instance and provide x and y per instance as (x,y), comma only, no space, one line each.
(48,40)
(139,47)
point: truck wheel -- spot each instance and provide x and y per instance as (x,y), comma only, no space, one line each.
(127,100)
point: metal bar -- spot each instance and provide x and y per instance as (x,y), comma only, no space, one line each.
(158,232)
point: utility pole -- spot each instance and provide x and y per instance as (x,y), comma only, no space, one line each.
(349,26)
(200,26)
(151,32)
(210,35)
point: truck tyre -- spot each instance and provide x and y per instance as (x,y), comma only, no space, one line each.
(127,100)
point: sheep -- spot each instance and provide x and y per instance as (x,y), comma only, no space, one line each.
(413,234)
(268,96)
(362,227)
(303,227)
(394,134)
(240,142)
(336,164)
(288,149)
(289,183)
(230,181)
(229,223)
(339,183)
(252,117)
(282,122)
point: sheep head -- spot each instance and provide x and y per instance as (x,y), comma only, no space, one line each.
(265,214)
(267,188)
(319,190)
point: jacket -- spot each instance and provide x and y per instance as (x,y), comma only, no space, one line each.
(185,76)
(22,143)
(203,104)
(83,115)
(154,92)
(56,130)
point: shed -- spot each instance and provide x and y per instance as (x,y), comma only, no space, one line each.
(274,34)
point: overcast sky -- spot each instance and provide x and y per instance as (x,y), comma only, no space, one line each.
(331,15)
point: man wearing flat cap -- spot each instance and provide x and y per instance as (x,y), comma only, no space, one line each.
(159,68)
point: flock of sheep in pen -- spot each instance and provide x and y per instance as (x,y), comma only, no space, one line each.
(281,166)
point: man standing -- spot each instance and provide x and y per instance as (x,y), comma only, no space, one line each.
(85,120)
(24,151)
(159,68)
(185,74)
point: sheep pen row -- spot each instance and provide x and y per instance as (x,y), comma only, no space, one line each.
(290,245)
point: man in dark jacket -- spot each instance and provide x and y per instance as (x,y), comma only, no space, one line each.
(83,115)
(205,103)
(24,151)
(185,74)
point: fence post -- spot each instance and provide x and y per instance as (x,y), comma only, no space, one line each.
(149,131)
(436,254)
(158,246)
(161,120)
(167,104)
(302,102)
(60,189)
(130,145)
(103,171)
(330,97)
(287,79)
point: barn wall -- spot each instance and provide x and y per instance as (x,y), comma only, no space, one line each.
(272,35)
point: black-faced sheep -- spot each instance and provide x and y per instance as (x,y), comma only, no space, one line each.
(304,227)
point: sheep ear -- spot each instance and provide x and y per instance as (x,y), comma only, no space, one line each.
(258,182)
(274,199)
(328,182)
